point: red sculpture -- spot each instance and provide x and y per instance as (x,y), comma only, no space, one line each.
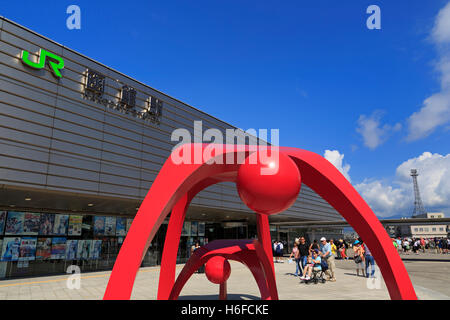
(218,270)
(216,253)
(269,193)
(177,184)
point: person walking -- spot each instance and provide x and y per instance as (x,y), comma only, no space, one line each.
(342,249)
(296,254)
(358,257)
(399,244)
(416,246)
(406,246)
(369,261)
(279,251)
(303,248)
(328,256)
(333,248)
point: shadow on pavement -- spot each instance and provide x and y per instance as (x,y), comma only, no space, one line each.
(231,296)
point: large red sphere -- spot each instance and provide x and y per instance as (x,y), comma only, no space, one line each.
(266,190)
(217,269)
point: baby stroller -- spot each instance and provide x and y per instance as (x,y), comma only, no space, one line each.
(318,275)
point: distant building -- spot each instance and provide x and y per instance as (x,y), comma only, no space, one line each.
(424,230)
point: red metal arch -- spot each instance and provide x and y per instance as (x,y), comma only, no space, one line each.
(175,182)
(244,251)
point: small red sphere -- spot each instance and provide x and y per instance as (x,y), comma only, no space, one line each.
(217,269)
(266,190)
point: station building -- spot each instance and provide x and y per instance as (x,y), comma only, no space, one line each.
(80,145)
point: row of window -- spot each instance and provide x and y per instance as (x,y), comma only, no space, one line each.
(428,229)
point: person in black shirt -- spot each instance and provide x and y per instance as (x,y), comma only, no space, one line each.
(314,245)
(303,248)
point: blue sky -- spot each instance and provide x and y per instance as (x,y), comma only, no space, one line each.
(309,68)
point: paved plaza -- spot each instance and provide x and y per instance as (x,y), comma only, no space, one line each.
(430,276)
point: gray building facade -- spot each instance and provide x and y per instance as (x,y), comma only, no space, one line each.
(92,141)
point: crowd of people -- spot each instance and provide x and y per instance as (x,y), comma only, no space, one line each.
(311,256)
(424,245)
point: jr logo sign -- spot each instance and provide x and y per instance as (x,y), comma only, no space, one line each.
(55,62)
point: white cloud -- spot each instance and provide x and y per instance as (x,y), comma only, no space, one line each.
(441,30)
(372,132)
(337,159)
(388,199)
(435,111)
(434,177)
(382,198)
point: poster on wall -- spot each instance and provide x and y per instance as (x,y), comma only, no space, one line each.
(2,221)
(11,249)
(99,225)
(14,223)
(110,226)
(58,248)
(96,249)
(194,228)
(61,224)
(201,229)
(84,249)
(43,248)
(31,223)
(46,224)
(27,249)
(186,231)
(129,222)
(75,223)
(121,225)
(71,249)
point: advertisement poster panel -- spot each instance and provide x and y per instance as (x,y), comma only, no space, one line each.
(46,224)
(186,231)
(110,226)
(194,228)
(31,223)
(71,249)
(129,222)
(99,225)
(84,249)
(43,248)
(58,248)
(75,223)
(27,249)
(201,229)
(121,224)
(14,223)
(11,249)
(61,224)
(96,249)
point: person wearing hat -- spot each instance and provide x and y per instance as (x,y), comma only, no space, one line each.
(327,255)
(358,257)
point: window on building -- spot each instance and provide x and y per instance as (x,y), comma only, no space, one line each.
(416,229)
(433,229)
(441,229)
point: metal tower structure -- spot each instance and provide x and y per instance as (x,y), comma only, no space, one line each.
(418,205)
